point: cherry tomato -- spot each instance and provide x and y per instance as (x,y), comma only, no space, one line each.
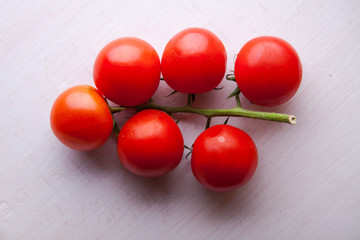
(127,71)
(223,158)
(194,61)
(268,71)
(150,144)
(80,118)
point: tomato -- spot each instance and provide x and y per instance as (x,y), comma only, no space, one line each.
(268,71)
(223,158)
(127,71)
(80,118)
(150,144)
(194,61)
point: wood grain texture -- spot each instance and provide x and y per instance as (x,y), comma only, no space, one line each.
(307,185)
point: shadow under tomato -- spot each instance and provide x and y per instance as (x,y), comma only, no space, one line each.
(227,205)
(99,161)
(149,191)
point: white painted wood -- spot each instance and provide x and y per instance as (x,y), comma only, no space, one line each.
(307,185)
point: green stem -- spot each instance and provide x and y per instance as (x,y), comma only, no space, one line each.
(209,113)
(189,99)
(238,103)
(230,77)
(208,121)
(119,109)
(116,129)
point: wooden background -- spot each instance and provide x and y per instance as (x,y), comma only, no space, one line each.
(307,185)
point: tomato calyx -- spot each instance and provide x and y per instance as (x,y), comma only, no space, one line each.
(190,151)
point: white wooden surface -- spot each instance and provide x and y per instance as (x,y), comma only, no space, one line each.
(307,185)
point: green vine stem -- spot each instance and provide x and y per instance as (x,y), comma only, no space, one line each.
(237,111)
(209,113)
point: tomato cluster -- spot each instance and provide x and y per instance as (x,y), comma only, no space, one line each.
(127,71)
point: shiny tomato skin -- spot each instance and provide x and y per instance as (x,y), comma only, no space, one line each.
(150,144)
(223,158)
(127,71)
(268,71)
(80,118)
(194,61)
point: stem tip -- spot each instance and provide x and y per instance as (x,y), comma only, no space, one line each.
(292,119)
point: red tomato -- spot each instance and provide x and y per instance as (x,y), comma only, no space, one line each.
(150,144)
(127,71)
(194,61)
(80,118)
(223,158)
(268,71)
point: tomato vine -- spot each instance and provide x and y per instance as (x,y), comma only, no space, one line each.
(128,70)
(237,111)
